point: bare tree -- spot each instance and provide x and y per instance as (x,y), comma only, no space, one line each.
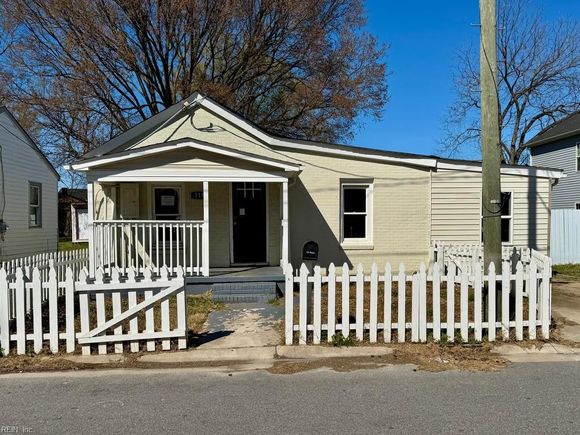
(92,68)
(538,81)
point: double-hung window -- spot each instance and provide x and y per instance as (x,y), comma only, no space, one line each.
(356,212)
(34,205)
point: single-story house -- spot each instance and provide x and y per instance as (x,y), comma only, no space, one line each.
(198,185)
(28,194)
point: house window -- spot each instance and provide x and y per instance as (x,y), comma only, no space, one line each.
(506,217)
(578,156)
(166,203)
(356,216)
(35,204)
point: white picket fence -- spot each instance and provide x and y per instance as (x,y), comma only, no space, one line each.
(75,259)
(441,302)
(96,312)
(465,256)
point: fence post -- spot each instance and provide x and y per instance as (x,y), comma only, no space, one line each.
(422,303)
(451,302)
(415,308)
(316,318)
(491,298)
(331,315)
(289,304)
(519,301)
(4,312)
(84,310)
(546,296)
(464,306)
(70,310)
(132,301)
(53,309)
(401,292)
(20,313)
(303,315)
(477,302)
(532,299)
(182,311)
(387,301)
(373,315)
(436,303)
(37,309)
(505,299)
(345,301)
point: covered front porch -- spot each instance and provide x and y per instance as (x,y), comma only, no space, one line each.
(194,207)
(206,228)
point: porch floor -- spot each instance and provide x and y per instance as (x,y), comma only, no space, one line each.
(239,274)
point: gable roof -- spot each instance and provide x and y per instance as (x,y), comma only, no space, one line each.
(28,141)
(561,129)
(144,129)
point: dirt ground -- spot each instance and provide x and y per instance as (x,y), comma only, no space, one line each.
(429,357)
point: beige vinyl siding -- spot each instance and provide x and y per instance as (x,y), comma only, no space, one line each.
(456,208)
(22,164)
(203,125)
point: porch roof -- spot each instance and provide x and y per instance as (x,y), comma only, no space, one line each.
(85,165)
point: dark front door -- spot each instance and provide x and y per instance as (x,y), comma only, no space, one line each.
(249,223)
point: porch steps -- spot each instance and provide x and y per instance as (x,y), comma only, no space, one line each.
(232,292)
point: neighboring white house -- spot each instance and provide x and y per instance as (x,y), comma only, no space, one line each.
(28,193)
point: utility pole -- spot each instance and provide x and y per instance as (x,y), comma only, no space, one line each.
(490,142)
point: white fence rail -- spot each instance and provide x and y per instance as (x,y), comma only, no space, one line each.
(387,305)
(76,259)
(98,312)
(151,244)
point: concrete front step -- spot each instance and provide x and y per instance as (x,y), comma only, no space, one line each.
(244,291)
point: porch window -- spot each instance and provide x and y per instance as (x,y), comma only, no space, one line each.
(35,205)
(166,203)
(356,205)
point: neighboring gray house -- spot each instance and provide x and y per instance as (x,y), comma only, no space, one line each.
(28,194)
(558,146)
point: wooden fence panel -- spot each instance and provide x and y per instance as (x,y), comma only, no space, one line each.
(427,303)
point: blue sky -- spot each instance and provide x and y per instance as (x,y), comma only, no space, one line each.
(424,37)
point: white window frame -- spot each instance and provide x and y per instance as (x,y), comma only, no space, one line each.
(577,148)
(38,186)
(510,217)
(366,242)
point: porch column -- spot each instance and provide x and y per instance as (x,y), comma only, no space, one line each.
(285,242)
(90,212)
(205,236)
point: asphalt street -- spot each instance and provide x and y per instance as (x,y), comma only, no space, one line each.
(524,398)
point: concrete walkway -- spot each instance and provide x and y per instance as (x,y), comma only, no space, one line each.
(243,325)
(566,305)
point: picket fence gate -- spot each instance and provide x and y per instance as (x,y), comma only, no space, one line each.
(426,312)
(92,300)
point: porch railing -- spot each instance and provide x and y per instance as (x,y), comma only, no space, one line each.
(149,244)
